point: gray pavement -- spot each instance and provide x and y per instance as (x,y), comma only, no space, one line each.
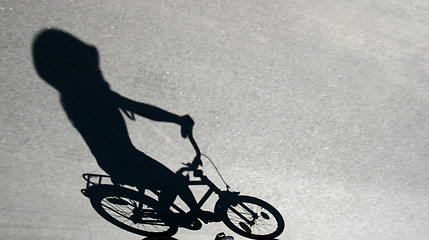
(319,107)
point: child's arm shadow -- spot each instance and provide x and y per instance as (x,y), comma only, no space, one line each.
(130,107)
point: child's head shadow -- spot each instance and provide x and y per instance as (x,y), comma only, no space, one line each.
(65,62)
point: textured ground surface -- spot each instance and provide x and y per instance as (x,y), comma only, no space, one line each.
(319,107)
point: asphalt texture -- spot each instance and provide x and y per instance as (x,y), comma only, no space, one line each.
(320,108)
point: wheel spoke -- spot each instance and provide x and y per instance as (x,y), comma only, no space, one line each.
(116,210)
(130,211)
(254,218)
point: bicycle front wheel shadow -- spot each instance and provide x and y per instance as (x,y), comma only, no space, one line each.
(130,210)
(253,218)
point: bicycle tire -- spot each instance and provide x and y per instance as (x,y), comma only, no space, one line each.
(265,223)
(117,206)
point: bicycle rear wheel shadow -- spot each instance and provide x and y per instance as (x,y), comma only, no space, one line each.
(129,210)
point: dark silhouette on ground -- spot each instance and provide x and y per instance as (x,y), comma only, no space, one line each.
(72,67)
